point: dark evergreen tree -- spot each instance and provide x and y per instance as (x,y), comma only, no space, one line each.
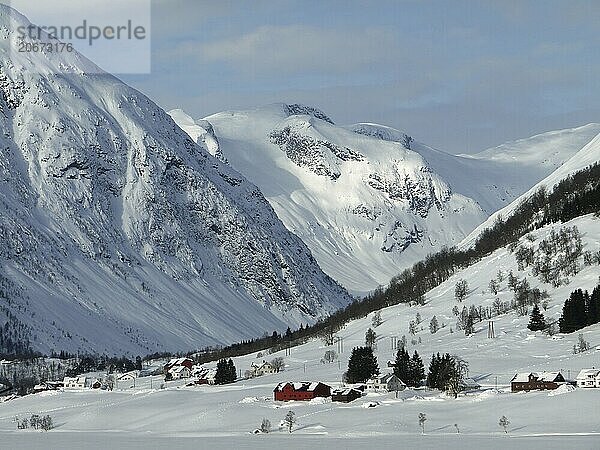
(416,370)
(362,365)
(442,369)
(537,322)
(593,306)
(402,366)
(225,372)
(574,312)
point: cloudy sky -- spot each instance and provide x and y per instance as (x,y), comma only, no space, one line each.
(458,75)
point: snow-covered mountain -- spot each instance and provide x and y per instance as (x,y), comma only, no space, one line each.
(586,156)
(369,200)
(121,234)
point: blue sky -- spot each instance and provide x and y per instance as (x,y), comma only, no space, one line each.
(458,75)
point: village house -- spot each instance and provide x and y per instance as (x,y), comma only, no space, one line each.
(588,378)
(301,391)
(203,375)
(75,382)
(180,372)
(346,395)
(185,362)
(47,386)
(531,381)
(257,370)
(387,382)
(128,376)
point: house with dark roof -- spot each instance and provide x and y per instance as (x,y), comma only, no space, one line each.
(345,395)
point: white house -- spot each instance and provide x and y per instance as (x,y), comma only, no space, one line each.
(74,382)
(128,376)
(257,370)
(179,372)
(589,378)
(387,382)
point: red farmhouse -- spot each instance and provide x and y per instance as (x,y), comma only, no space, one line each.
(301,391)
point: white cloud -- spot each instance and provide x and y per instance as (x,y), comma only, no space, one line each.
(299,49)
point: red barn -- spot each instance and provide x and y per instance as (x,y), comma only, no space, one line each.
(301,391)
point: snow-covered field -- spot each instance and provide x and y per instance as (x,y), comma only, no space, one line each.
(224,417)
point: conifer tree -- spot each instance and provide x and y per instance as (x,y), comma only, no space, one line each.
(401,365)
(537,322)
(416,370)
(362,365)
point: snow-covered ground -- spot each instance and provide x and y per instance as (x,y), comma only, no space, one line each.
(224,417)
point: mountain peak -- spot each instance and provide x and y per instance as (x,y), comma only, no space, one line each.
(296,109)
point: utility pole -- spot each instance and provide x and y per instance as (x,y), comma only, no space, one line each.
(491,333)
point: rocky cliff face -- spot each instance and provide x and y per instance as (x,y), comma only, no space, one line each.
(120,233)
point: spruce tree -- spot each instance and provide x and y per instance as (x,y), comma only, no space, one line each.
(401,366)
(362,365)
(222,372)
(537,322)
(416,370)
(574,312)
(593,310)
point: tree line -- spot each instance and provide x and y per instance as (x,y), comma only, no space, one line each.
(580,310)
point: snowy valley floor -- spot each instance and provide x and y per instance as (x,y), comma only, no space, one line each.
(210,417)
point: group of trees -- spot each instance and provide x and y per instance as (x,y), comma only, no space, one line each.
(580,310)
(36,422)
(409,369)
(447,373)
(362,365)
(555,258)
(226,372)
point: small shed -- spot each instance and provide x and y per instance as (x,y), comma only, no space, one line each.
(345,395)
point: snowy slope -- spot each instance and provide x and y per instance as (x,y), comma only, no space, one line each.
(583,158)
(120,234)
(225,416)
(364,206)
(367,199)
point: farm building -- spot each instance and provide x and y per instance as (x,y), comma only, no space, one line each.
(128,376)
(186,362)
(345,395)
(74,382)
(589,378)
(301,391)
(179,372)
(532,381)
(387,382)
(257,370)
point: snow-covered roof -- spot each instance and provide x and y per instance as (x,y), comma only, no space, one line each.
(541,376)
(588,373)
(470,383)
(522,377)
(346,391)
(178,361)
(307,386)
(548,376)
(131,374)
(78,380)
(178,369)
